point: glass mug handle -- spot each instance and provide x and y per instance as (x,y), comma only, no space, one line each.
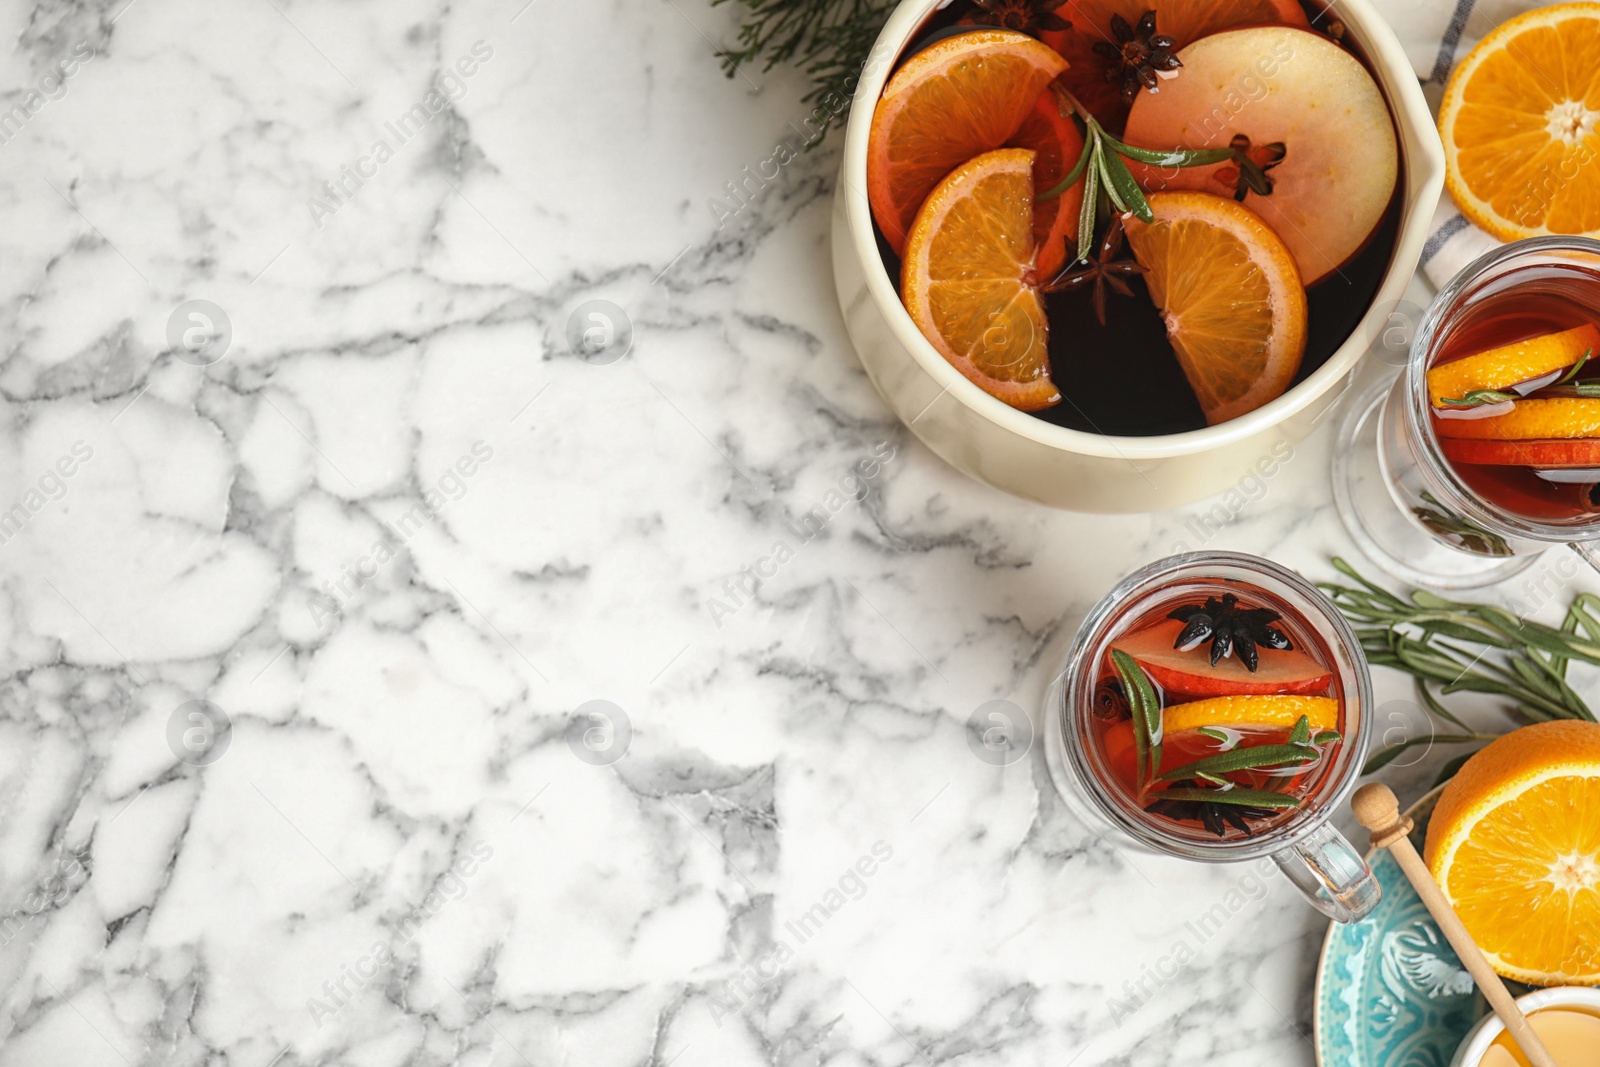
(1331,874)
(1588,551)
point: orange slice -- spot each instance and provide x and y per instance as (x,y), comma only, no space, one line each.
(1515,844)
(1553,419)
(1231,296)
(955,99)
(1501,368)
(1244,711)
(967,279)
(1185,20)
(1519,121)
(1056,144)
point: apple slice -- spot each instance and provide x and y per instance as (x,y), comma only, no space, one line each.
(1278,671)
(1278,84)
(1575,453)
(1094,77)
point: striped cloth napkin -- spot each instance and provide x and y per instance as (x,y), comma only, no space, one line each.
(1436,34)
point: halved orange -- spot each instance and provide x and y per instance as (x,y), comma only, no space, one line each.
(954,100)
(967,279)
(1514,842)
(1185,20)
(1501,368)
(1520,121)
(1231,296)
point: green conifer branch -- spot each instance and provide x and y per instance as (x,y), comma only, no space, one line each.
(828,39)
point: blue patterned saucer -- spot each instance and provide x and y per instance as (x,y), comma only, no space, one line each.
(1390,990)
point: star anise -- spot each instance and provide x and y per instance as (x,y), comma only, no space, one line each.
(1213,815)
(1139,55)
(1230,629)
(1103,272)
(1024,16)
(1249,175)
(1111,701)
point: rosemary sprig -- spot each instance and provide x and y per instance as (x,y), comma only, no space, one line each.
(1388,755)
(1590,389)
(1255,798)
(1103,157)
(1255,757)
(1145,704)
(1430,637)
(1434,616)
(1479,397)
(1576,367)
(1446,523)
(1300,748)
(1301,734)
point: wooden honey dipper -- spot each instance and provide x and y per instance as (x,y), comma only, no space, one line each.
(1377,809)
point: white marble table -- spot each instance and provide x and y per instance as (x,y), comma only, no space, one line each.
(396,533)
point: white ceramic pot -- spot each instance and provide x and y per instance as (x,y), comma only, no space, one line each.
(1067,468)
(1475,1044)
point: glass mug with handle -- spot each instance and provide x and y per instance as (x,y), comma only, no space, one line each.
(1213,707)
(1486,450)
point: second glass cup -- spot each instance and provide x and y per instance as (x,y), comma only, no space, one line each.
(1486,450)
(1213,707)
